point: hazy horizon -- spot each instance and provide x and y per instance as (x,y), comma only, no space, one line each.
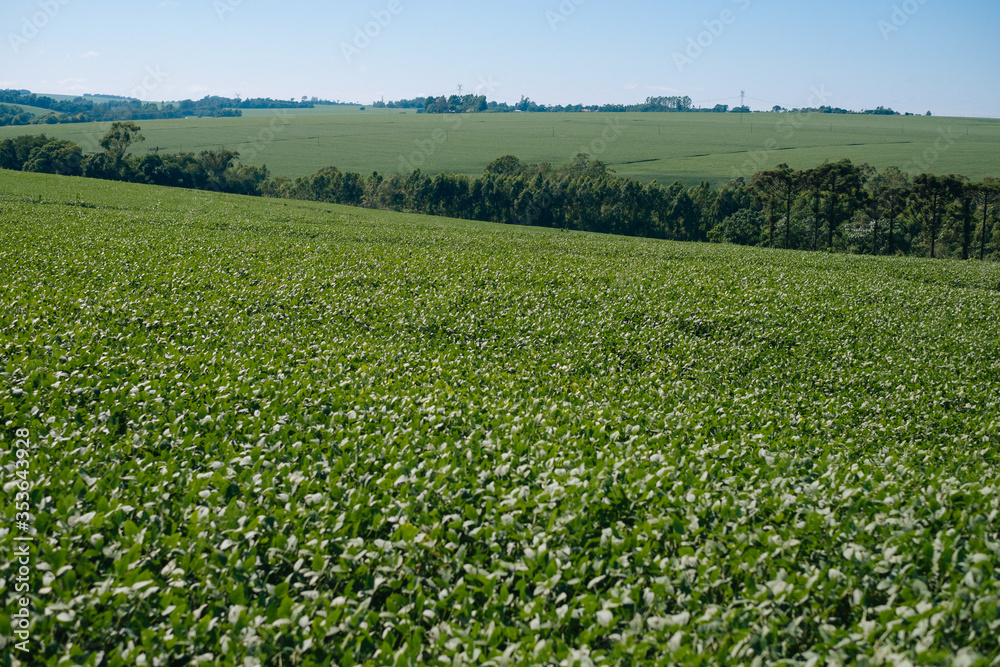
(913,56)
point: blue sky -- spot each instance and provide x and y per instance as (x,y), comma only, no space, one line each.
(912,55)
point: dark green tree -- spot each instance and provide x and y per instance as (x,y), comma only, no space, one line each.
(966,216)
(788,183)
(987,194)
(843,186)
(742,228)
(58,156)
(814,181)
(685,217)
(508,165)
(931,195)
(215,164)
(703,196)
(118,139)
(888,192)
(766,188)
(14,152)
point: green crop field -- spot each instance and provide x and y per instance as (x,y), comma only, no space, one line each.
(665,147)
(38,111)
(260,432)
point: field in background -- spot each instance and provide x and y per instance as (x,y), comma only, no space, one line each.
(38,111)
(664,147)
(300,433)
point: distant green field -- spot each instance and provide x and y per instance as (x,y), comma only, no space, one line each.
(326,110)
(665,147)
(38,111)
(266,432)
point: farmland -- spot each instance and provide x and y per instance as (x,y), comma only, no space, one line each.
(664,147)
(265,430)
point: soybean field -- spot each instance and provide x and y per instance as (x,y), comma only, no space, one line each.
(263,432)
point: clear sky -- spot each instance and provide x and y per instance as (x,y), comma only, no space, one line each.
(912,55)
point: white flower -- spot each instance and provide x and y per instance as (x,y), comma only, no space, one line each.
(604,618)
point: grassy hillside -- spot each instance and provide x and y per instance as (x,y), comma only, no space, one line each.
(665,147)
(260,430)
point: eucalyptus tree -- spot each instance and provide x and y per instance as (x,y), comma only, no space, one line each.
(118,139)
(766,187)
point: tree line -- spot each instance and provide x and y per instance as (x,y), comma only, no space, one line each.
(663,104)
(835,207)
(83,110)
(479,104)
